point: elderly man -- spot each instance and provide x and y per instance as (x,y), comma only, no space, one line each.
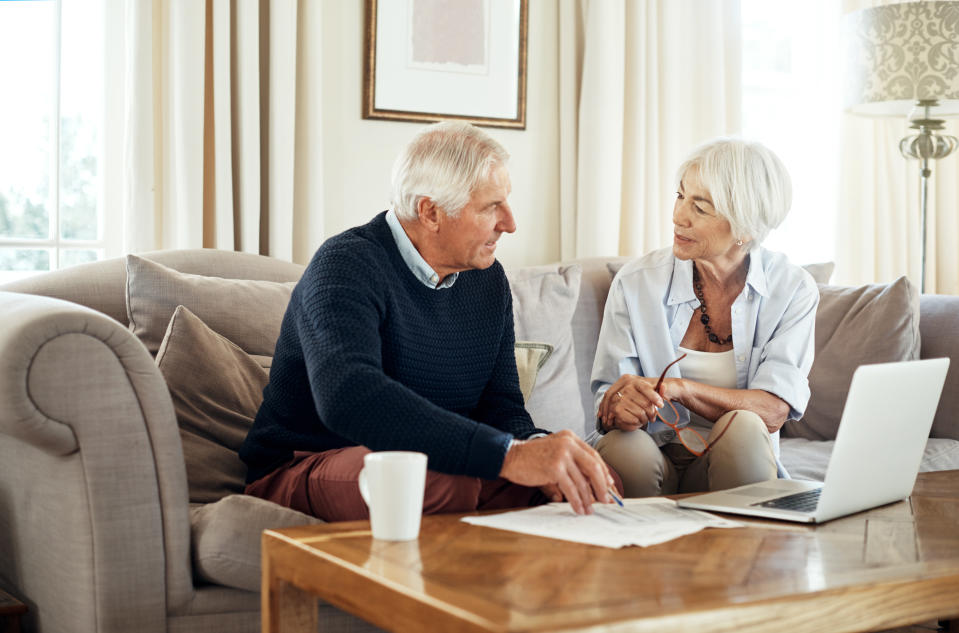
(399,336)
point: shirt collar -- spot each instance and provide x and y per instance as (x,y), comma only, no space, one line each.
(682,291)
(412,258)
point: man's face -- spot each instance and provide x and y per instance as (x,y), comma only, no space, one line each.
(469,239)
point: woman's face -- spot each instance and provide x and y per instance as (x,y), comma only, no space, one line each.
(699,232)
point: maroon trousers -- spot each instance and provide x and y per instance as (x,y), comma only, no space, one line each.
(325,485)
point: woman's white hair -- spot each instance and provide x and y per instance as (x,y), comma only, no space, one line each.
(444,162)
(748,184)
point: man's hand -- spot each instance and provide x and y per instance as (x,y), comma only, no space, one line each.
(562,461)
(630,403)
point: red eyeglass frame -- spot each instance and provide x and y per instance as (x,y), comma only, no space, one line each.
(681,430)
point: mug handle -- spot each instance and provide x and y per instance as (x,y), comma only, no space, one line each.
(364,487)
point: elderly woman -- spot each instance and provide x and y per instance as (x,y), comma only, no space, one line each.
(738,319)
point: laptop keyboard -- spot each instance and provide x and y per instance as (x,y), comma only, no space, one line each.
(800,502)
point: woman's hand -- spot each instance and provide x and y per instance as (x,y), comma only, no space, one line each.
(630,403)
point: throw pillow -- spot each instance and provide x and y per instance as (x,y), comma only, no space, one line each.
(858,325)
(821,272)
(544,299)
(247,312)
(216,390)
(225,538)
(530,358)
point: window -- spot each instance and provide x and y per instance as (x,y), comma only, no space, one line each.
(792,103)
(51,122)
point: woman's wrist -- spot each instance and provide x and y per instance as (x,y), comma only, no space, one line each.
(674,389)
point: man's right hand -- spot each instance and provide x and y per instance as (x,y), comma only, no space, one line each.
(562,460)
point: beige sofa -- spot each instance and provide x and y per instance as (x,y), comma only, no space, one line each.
(97,528)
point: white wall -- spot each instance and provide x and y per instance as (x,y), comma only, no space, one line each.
(358,154)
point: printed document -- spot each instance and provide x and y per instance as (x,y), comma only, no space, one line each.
(642,522)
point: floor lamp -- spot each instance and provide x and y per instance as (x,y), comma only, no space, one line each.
(903,60)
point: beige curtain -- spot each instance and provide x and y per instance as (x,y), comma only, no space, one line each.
(879,231)
(218,143)
(641,84)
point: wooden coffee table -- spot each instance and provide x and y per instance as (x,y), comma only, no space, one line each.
(888,567)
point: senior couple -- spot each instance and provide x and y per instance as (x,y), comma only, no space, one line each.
(399,336)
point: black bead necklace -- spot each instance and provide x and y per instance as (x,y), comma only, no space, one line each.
(703,317)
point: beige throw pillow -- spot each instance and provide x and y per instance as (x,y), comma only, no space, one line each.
(855,325)
(216,390)
(530,358)
(225,538)
(247,312)
(544,299)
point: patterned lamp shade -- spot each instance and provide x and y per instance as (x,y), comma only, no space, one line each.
(899,54)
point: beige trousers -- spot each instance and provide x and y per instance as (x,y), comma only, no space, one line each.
(743,455)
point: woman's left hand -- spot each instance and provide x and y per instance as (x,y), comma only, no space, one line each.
(630,403)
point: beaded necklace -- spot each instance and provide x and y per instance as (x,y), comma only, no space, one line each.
(704,317)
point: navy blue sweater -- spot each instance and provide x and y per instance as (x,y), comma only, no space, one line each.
(368,355)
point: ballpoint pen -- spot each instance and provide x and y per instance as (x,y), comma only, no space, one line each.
(612,493)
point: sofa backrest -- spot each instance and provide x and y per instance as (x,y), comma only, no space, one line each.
(939,329)
(101,285)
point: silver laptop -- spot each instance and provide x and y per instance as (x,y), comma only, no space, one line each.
(875,460)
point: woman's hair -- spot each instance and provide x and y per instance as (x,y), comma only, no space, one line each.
(747,182)
(444,162)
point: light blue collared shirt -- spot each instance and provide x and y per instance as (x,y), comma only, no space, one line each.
(414,261)
(651,302)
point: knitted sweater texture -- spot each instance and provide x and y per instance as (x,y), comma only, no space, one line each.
(368,355)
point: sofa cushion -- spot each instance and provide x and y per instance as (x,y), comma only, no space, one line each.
(216,390)
(809,459)
(225,538)
(854,326)
(821,272)
(544,298)
(247,312)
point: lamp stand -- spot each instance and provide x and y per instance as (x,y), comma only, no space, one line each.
(925,146)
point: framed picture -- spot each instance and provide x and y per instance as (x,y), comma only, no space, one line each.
(428,60)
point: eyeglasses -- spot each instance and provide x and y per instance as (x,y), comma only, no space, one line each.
(694,442)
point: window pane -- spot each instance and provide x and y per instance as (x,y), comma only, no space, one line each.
(16,263)
(791,87)
(27,115)
(81,107)
(74,256)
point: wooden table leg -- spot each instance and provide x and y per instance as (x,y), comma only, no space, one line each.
(288,609)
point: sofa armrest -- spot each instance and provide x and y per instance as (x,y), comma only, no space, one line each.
(938,328)
(94,516)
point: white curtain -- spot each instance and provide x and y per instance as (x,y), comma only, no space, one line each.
(213,136)
(641,84)
(879,232)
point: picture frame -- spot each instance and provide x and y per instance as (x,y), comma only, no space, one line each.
(425,63)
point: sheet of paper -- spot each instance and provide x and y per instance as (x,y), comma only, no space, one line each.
(641,522)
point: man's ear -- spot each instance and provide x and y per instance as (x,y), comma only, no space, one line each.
(428,214)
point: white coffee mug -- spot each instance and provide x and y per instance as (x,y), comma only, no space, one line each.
(392,485)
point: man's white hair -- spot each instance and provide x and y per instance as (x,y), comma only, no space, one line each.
(444,162)
(747,182)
